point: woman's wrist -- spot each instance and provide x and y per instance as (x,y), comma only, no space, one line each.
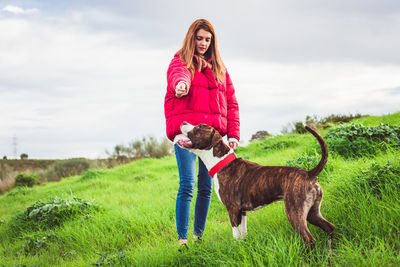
(233,139)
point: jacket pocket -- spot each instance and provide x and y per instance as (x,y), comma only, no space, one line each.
(203,100)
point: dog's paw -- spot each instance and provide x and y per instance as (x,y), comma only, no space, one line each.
(243,236)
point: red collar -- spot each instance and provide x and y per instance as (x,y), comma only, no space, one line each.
(221,164)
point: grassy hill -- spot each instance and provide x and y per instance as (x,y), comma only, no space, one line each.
(51,170)
(126,216)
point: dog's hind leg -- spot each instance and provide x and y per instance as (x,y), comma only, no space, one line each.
(315,217)
(299,223)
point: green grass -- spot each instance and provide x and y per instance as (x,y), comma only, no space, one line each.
(135,224)
(392,119)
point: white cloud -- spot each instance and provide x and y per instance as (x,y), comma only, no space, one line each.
(18,11)
(272,95)
(69,84)
(76,82)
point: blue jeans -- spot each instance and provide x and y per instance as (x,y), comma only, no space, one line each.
(187,167)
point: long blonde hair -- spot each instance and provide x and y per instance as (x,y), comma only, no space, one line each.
(188,50)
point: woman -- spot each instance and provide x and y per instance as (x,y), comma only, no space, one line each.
(199,91)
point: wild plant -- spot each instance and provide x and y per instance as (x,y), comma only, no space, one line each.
(29,180)
(50,214)
(65,168)
(357,140)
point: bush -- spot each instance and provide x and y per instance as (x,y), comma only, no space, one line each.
(259,136)
(357,140)
(299,127)
(380,178)
(50,214)
(23,179)
(340,118)
(316,122)
(155,149)
(65,168)
(147,147)
(71,167)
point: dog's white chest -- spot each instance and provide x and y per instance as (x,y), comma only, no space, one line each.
(216,186)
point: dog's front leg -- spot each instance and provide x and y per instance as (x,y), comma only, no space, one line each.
(240,231)
(243,226)
(236,232)
(236,220)
(239,223)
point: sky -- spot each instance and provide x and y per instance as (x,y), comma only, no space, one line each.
(79,77)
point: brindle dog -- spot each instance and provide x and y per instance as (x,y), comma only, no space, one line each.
(243,186)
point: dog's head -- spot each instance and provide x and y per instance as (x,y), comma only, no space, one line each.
(202,137)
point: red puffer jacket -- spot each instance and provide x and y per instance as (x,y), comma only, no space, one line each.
(207,102)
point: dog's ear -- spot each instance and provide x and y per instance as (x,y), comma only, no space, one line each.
(220,148)
(215,137)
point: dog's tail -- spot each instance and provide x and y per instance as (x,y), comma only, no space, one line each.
(324,149)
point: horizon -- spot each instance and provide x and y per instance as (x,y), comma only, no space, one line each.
(79,78)
(242,143)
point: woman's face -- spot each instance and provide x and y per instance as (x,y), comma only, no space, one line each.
(202,41)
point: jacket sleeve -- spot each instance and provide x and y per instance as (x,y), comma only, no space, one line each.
(232,110)
(177,71)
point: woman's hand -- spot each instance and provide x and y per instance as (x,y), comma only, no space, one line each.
(233,143)
(181,89)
